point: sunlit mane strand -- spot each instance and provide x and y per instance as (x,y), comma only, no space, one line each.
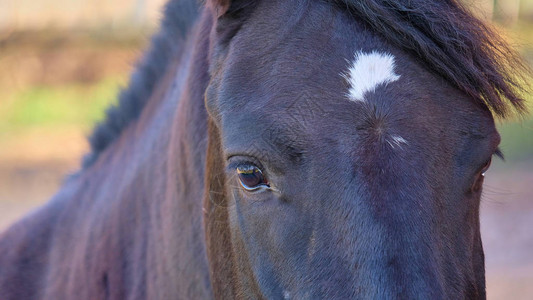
(452,43)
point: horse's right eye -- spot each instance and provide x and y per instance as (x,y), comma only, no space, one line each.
(252,178)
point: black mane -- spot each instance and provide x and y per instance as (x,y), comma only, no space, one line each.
(179,15)
(453,43)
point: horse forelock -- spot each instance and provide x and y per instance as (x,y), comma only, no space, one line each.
(453,43)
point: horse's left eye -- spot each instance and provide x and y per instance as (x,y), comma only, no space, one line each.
(486,167)
(251,177)
(478,183)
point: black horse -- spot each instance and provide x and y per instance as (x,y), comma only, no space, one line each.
(304,149)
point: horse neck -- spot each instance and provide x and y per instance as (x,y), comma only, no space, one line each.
(155,170)
(182,212)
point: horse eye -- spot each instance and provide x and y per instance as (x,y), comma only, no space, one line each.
(251,177)
(478,183)
(486,167)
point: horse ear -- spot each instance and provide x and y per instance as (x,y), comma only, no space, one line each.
(220,7)
(225,7)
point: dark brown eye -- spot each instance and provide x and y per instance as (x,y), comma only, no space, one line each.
(478,183)
(251,177)
(486,167)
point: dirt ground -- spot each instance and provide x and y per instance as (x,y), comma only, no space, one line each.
(507,206)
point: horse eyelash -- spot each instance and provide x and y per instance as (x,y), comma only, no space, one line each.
(499,153)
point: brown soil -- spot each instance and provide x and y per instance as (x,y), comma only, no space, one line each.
(32,166)
(52,58)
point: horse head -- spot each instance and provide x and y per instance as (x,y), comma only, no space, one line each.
(341,164)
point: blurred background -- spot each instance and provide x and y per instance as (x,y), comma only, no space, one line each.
(63,61)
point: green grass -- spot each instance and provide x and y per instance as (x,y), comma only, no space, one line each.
(76,105)
(517,140)
(517,135)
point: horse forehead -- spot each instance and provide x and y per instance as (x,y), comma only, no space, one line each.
(368,71)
